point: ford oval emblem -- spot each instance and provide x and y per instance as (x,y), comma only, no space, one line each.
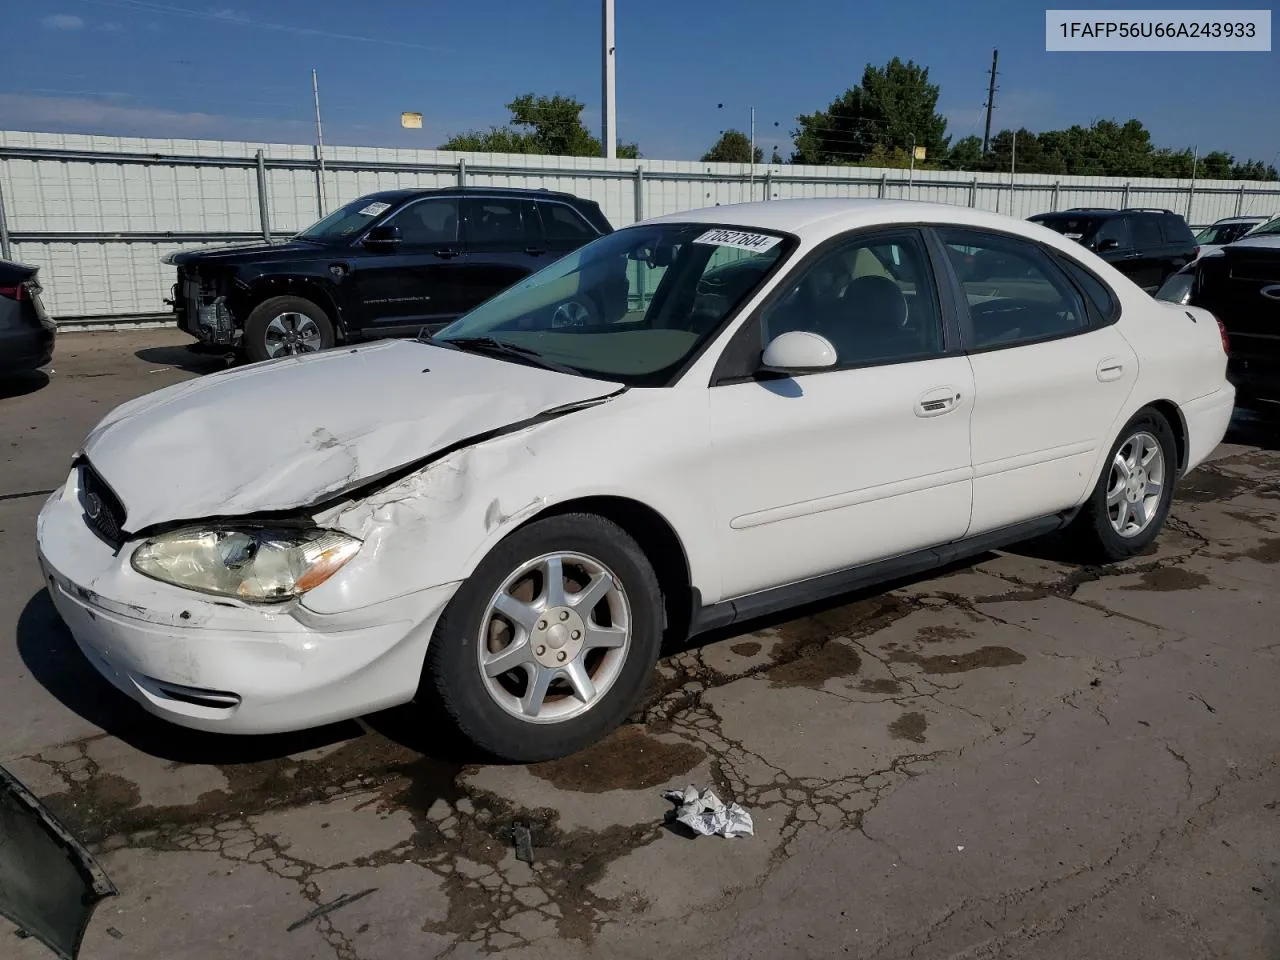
(1272,292)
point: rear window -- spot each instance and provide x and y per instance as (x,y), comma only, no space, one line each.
(1176,229)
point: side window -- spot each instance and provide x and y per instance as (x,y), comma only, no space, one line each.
(562,222)
(428,223)
(1093,288)
(1146,231)
(494,221)
(874,299)
(1029,298)
(1114,228)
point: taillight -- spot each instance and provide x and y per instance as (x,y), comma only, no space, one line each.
(13,293)
(1226,341)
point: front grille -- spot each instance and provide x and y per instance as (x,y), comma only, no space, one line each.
(103,511)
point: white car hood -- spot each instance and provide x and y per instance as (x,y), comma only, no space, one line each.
(290,433)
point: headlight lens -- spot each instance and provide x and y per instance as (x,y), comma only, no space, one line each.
(255,564)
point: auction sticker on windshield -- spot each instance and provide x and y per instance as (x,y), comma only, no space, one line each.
(757,242)
(375,208)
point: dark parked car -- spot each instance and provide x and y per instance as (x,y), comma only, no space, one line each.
(387,264)
(1240,285)
(26,331)
(1146,245)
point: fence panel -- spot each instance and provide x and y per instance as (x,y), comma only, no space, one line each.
(97,214)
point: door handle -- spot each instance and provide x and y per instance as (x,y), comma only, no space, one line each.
(937,402)
(1110,369)
(446,254)
(535,251)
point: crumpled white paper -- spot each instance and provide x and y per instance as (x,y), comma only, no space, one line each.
(707,815)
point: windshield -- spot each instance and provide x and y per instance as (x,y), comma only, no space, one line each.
(346,221)
(1271,226)
(632,306)
(1222,233)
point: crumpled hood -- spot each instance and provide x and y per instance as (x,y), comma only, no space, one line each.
(290,433)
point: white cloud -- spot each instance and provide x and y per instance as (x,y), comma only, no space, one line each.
(112,27)
(62,21)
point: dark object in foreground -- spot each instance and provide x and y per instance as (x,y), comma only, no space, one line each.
(327,908)
(26,331)
(523,841)
(49,884)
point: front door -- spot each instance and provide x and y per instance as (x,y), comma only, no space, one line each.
(1050,378)
(860,462)
(421,280)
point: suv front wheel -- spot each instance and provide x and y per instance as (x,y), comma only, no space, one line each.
(286,326)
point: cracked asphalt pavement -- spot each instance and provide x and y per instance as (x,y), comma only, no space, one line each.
(1015,757)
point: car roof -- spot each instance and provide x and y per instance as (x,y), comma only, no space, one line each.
(533,193)
(817,218)
(1248,219)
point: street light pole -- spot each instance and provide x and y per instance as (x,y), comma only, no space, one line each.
(610,107)
(751,157)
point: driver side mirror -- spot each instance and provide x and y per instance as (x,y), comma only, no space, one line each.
(798,351)
(1111,243)
(384,237)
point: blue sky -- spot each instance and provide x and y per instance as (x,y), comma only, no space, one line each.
(243,70)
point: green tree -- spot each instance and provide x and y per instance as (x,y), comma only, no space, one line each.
(1216,165)
(1254,170)
(550,126)
(734,146)
(894,107)
(966,154)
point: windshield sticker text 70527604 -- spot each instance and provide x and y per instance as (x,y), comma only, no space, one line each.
(375,208)
(757,242)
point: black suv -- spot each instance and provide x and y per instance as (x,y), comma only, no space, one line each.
(387,264)
(1146,245)
(1240,285)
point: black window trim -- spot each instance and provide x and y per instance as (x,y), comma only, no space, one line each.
(744,347)
(966,321)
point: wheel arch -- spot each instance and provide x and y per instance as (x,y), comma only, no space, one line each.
(1177,423)
(658,539)
(308,288)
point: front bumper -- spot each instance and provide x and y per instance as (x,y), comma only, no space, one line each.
(216,664)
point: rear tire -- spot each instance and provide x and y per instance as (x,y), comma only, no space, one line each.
(286,326)
(1131,499)
(526,672)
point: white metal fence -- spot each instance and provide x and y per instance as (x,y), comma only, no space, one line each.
(97,214)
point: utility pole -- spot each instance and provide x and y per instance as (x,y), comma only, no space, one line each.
(610,108)
(315,93)
(751,176)
(991,100)
(1013,171)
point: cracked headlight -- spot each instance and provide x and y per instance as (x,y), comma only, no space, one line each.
(254,564)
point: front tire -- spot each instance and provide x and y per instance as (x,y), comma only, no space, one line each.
(547,645)
(286,326)
(1130,502)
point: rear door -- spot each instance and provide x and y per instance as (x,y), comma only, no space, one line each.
(504,245)
(1146,262)
(1179,244)
(1050,376)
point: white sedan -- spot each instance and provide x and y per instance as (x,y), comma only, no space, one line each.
(690,422)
